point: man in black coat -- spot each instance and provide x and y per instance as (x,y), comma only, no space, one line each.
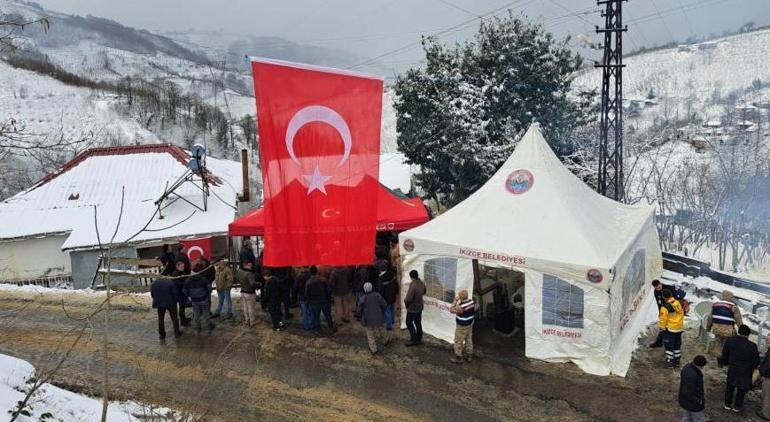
(164,298)
(274,297)
(167,260)
(180,277)
(247,255)
(198,289)
(691,396)
(286,285)
(742,357)
(657,291)
(299,285)
(318,300)
(182,256)
(388,288)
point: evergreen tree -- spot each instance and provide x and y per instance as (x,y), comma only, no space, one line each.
(458,116)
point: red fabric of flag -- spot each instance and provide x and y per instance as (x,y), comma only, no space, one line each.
(197,248)
(319,138)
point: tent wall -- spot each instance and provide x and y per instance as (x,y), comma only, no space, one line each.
(632,302)
(443,277)
(566,321)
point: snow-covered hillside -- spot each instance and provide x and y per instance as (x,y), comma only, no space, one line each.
(697,78)
(102,50)
(49,108)
(697,126)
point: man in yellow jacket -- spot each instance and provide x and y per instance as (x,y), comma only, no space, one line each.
(671,323)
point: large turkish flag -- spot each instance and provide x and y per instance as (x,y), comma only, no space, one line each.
(319,139)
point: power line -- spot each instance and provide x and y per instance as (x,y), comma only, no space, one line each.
(676,9)
(555,21)
(665,25)
(686,18)
(416,43)
(454,6)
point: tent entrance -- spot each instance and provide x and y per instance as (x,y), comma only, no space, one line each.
(499,295)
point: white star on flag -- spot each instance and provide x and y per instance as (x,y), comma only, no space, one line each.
(316,181)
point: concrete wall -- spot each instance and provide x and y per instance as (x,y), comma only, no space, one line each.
(33,258)
(84,264)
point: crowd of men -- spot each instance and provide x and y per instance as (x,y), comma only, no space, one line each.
(367,293)
(733,349)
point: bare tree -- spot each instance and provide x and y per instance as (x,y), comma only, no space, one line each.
(10,28)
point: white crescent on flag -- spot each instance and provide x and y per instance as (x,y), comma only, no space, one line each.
(318,113)
(194,248)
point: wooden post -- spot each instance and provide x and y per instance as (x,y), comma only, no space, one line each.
(245,174)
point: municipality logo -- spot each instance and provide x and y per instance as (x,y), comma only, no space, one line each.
(519,182)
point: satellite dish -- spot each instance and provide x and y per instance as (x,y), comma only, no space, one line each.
(198,151)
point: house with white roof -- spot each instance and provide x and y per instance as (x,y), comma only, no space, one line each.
(110,196)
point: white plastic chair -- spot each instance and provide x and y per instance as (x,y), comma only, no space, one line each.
(708,337)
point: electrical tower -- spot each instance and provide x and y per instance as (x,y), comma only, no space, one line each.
(611,120)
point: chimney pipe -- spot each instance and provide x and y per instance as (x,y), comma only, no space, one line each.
(245,172)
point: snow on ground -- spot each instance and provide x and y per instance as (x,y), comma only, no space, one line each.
(17,376)
(701,289)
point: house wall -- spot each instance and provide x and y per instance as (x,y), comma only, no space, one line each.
(84,264)
(33,258)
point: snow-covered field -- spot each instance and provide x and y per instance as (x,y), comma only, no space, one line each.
(53,403)
(691,78)
(46,107)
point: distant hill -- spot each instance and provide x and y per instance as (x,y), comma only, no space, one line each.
(220,45)
(73,82)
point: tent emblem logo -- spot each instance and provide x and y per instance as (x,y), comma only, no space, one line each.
(594,276)
(519,182)
(408,245)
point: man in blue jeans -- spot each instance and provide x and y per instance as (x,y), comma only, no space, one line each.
(198,289)
(224,283)
(300,283)
(389,291)
(318,300)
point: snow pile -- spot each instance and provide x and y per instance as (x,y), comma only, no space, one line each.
(54,403)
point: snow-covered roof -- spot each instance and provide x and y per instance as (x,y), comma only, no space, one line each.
(65,200)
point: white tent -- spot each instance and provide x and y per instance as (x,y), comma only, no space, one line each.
(587,260)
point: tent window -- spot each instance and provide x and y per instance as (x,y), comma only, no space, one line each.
(440,278)
(562,303)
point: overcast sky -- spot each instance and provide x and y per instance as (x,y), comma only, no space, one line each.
(371,28)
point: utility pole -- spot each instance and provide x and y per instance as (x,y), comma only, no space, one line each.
(611,119)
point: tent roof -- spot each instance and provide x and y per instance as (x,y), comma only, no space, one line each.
(393,214)
(552,220)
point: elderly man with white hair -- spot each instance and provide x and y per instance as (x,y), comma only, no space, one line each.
(371,307)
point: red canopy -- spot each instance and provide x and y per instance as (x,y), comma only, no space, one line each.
(393,214)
